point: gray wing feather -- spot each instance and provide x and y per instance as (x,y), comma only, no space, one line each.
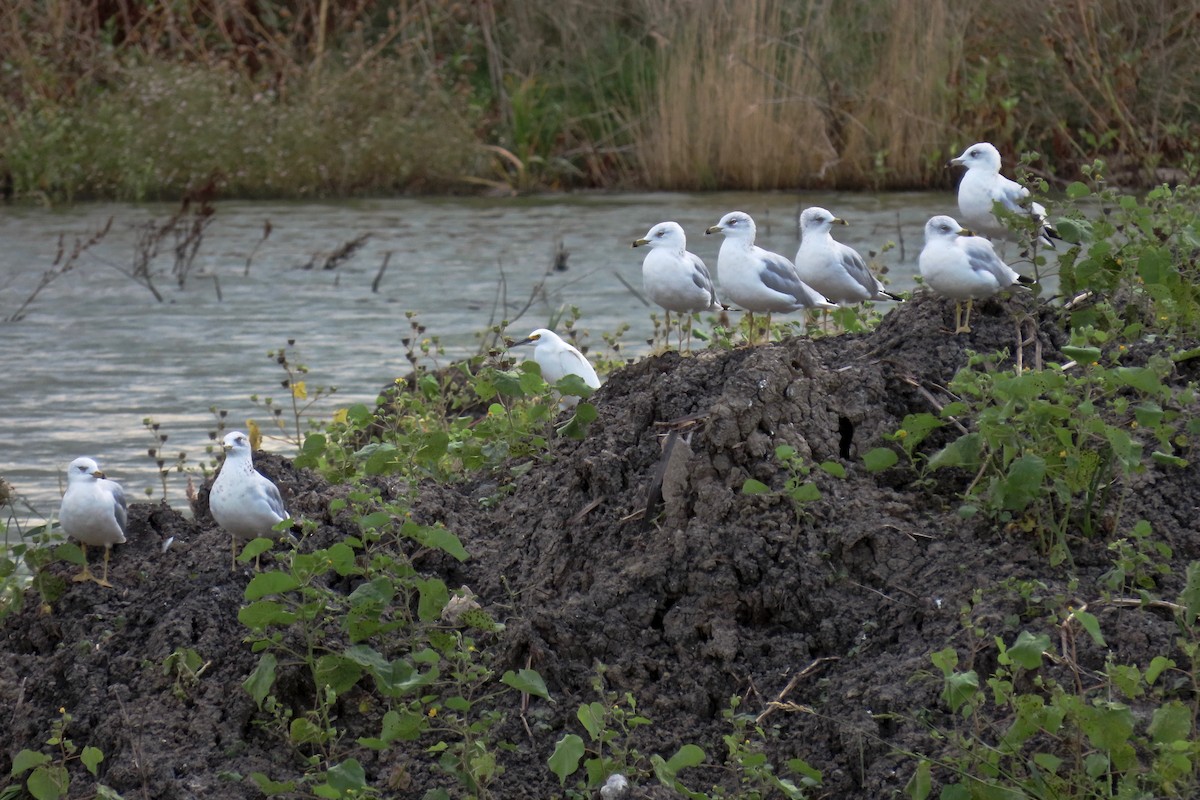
(1010,194)
(702,277)
(857,269)
(274,500)
(779,275)
(120,508)
(983,258)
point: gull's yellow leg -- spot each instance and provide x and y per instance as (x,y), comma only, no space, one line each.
(233,554)
(965,325)
(104,581)
(85,574)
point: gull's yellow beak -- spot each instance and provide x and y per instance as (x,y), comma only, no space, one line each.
(839,221)
(714,229)
(640,242)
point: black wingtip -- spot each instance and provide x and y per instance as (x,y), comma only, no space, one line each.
(895,297)
(1025,280)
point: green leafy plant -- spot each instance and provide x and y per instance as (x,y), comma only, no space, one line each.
(1041,726)
(49,778)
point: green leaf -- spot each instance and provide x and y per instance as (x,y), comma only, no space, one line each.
(262,679)
(591,715)
(921,783)
(1142,378)
(49,782)
(27,760)
(271,788)
(1158,665)
(880,458)
(1082,355)
(91,758)
(1022,484)
(1089,623)
(436,537)
(566,756)
(962,452)
(833,468)
(1077,190)
(1171,722)
(1168,459)
(259,615)
(526,680)
(1027,650)
(960,689)
(576,427)
(806,493)
(267,583)
(69,552)
(573,385)
(688,756)
(433,598)
(337,672)
(302,731)
(255,548)
(347,776)
(751,486)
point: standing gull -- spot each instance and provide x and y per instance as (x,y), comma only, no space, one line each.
(558,360)
(93,512)
(983,186)
(832,268)
(962,266)
(757,279)
(674,278)
(243,502)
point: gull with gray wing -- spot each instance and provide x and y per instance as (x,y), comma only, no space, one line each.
(962,266)
(757,279)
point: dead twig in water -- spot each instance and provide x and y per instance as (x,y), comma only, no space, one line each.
(63,263)
(266,235)
(343,253)
(379,275)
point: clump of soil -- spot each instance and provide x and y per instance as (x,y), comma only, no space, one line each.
(658,567)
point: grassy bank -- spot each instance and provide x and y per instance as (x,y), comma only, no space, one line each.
(312,98)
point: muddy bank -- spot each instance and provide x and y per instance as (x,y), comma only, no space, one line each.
(687,590)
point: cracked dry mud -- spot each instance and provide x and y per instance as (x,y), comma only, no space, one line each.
(721,593)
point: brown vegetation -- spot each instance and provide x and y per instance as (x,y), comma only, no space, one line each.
(116,98)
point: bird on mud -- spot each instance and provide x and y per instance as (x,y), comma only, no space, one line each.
(243,502)
(93,512)
(557,360)
(757,279)
(832,268)
(674,278)
(962,266)
(982,186)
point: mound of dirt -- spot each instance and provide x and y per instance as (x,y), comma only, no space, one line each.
(635,549)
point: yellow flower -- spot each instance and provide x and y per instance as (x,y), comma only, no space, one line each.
(433,712)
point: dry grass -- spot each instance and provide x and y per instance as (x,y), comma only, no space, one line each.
(354,96)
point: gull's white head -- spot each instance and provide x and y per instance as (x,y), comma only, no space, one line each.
(735,225)
(818,220)
(236,444)
(944,227)
(665,234)
(83,470)
(979,156)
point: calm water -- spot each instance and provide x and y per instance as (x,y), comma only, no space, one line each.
(96,353)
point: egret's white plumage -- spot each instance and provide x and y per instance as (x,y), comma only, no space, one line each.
(558,359)
(835,270)
(672,277)
(93,512)
(961,266)
(243,502)
(757,279)
(982,186)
